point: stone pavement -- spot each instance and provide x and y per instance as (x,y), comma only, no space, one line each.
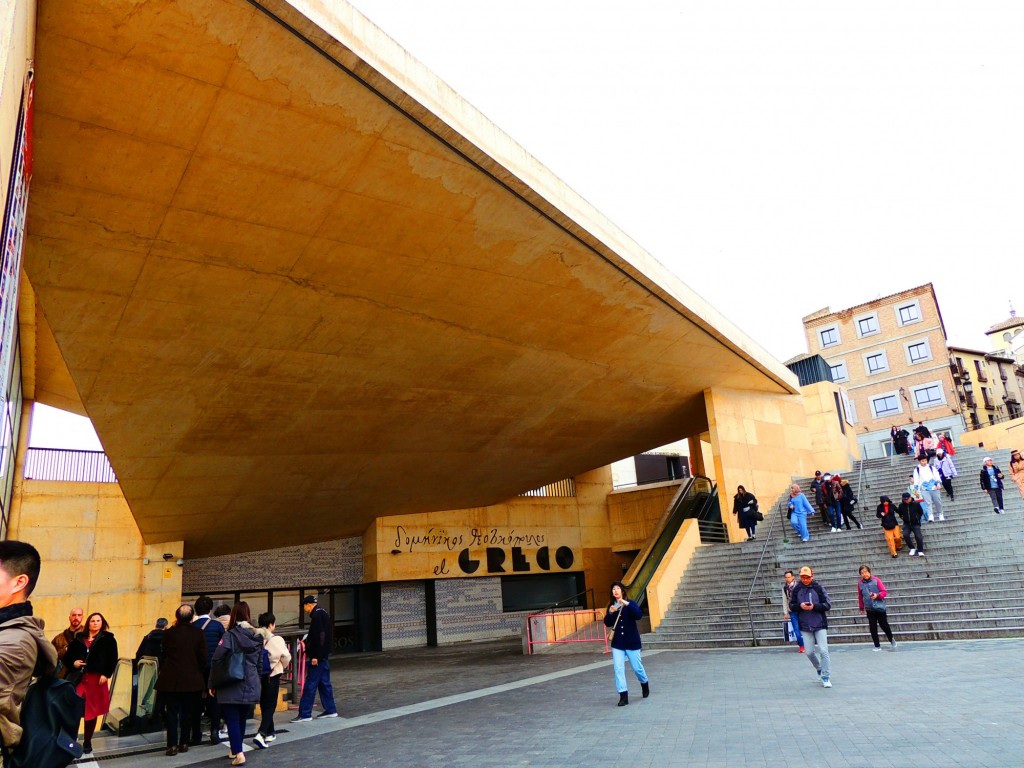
(927,704)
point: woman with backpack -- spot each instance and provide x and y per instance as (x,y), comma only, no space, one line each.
(275,661)
(92,657)
(871,594)
(235,676)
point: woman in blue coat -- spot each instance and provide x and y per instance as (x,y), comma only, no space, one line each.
(236,697)
(622,616)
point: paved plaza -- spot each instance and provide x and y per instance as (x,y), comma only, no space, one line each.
(927,704)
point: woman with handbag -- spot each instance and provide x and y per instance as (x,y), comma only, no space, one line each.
(622,616)
(235,676)
(91,659)
(744,506)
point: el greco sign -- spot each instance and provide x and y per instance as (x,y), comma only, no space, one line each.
(481,551)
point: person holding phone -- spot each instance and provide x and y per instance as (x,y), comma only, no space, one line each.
(811,603)
(622,616)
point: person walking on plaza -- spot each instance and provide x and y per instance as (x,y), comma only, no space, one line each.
(319,641)
(886,512)
(871,594)
(212,631)
(947,470)
(622,616)
(912,514)
(1017,470)
(94,654)
(24,648)
(799,509)
(276,660)
(992,483)
(928,479)
(787,592)
(744,506)
(236,697)
(811,604)
(63,640)
(182,677)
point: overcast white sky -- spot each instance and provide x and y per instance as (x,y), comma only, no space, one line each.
(779,157)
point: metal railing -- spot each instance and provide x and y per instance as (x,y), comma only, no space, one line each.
(68,466)
(563,488)
(779,506)
(566,622)
(1000,420)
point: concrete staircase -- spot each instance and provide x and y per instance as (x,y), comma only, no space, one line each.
(970,584)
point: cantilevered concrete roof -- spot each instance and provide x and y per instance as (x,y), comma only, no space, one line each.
(299,283)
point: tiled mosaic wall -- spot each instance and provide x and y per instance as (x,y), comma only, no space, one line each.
(403,609)
(470,609)
(329,563)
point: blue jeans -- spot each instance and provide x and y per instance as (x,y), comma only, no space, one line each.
(234,718)
(619,665)
(794,621)
(817,651)
(835,514)
(318,678)
(799,523)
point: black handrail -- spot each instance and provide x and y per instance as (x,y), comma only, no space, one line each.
(586,603)
(689,502)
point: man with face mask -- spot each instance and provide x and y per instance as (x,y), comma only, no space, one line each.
(24,650)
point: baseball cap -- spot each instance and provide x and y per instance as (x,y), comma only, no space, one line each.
(309,599)
(806,571)
(907,496)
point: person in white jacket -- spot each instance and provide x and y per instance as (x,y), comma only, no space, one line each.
(276,661)
(947,469)
(929,480)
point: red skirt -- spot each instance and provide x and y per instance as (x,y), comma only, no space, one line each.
(96,695)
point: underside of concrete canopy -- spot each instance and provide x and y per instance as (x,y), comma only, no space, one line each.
(298,283)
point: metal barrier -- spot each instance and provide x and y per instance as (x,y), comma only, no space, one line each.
(68,466)
(566,627)
(563,488)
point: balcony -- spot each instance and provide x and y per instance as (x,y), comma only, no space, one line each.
(68,466)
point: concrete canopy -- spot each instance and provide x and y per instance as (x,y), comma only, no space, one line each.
(299,284)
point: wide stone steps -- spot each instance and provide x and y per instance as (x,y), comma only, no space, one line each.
(970,584)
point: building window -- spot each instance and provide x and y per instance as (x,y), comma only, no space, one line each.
(876,362)
(979,368)
(908,313)
(928,396)
(885,405)
(867,325)
(839,372)
(829,336)
(918,352)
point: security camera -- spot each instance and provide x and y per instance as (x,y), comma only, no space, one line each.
(168,556)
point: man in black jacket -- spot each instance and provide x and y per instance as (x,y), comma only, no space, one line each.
(911,513)
(319,641)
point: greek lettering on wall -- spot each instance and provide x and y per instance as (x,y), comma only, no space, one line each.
(485,551)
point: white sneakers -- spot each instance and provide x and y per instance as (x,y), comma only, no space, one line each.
(942,518)
(826,683)
(913,552)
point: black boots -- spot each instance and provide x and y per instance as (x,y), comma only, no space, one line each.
(646,687)
(623,699)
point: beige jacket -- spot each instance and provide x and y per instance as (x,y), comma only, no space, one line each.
(24,651)
(278,650)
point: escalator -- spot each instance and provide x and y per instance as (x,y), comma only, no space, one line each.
(696,499)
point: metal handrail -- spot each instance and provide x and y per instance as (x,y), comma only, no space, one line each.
(588,602)
(652,540)
(757,571)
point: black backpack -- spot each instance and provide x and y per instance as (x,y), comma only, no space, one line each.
(50,716)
